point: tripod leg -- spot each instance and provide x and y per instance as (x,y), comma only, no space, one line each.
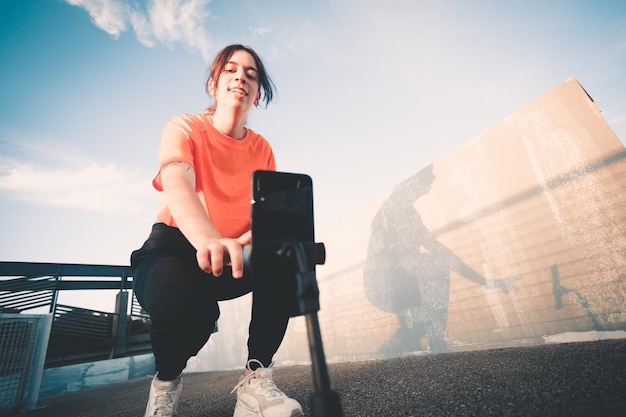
(324,402)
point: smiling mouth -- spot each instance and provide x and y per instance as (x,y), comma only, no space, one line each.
(238,91)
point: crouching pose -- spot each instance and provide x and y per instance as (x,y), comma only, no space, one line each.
(193,257)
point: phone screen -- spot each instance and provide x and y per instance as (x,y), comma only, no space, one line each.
(282,208)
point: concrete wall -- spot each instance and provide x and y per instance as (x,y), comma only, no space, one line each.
(517,238)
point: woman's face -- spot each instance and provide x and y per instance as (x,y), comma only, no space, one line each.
(237,85)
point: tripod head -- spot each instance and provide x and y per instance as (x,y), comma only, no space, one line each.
(293,278)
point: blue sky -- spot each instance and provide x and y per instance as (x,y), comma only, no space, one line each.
(369,92)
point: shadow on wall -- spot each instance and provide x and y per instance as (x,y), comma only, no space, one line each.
(407,271)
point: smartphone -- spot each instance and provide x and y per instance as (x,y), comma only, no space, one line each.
(281,208)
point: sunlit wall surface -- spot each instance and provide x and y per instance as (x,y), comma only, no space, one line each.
(517,238)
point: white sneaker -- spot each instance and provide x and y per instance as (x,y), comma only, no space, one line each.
(164,396)
(257,396)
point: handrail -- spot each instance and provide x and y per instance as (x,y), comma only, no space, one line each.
(33,271)
(68,270)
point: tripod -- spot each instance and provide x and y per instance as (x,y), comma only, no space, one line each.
(282,248)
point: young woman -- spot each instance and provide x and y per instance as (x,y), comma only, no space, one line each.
(193,256)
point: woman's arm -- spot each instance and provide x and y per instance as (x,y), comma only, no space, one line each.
(212,250)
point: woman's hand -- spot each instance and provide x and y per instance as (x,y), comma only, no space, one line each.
(215,254)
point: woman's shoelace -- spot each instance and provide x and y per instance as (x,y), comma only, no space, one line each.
(164,402)
(266,384)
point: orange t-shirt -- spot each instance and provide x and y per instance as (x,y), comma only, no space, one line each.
(223,167)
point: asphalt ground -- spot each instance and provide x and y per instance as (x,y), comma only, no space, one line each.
(585,379)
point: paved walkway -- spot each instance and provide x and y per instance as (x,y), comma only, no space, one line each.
(570,380)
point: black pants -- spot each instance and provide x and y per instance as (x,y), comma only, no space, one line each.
(182,302)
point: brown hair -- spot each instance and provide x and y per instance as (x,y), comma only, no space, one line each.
(266,85)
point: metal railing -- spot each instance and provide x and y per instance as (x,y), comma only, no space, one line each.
(77,334)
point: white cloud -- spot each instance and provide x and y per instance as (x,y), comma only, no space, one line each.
(85,185)
(168,22)
(108,15)
(180,21)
